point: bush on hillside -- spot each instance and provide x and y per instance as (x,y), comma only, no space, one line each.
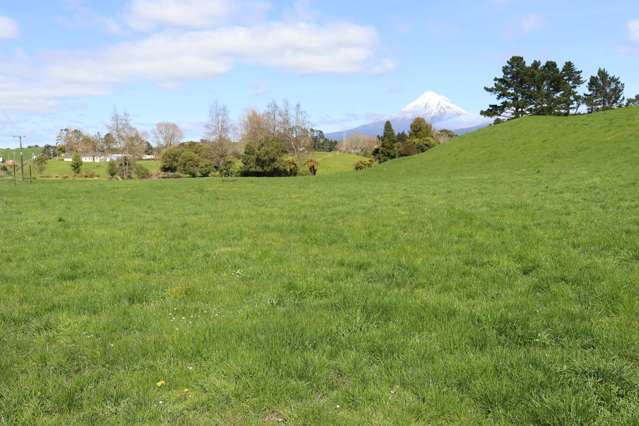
(407,149)
(364,164)
(142,172)
(189,163)
(199,159)
(112,169)
(266,158)
(312,166)
(76,163)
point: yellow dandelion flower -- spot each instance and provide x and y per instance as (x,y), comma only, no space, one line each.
(161,383)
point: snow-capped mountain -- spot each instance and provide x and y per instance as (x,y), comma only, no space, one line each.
(438,110)
(432,106)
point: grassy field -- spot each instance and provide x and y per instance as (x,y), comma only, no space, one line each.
(59,168)
(10,154)
(492,280)
(335,162)
(330,163)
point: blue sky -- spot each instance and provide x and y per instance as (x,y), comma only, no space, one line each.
(69,63)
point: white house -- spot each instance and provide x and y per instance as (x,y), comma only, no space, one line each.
(94,157)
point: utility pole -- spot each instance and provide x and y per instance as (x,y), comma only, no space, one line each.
(21,155)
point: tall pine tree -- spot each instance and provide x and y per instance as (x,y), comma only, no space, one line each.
(569,99)
(605,92)
(511,90)
(387,149)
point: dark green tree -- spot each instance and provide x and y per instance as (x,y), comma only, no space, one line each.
(321,142)
(511,90)
(569,99)
(189,163)
(387,148)
(605,92)
(551,88)
(170,159)
(421,135)
(266,158)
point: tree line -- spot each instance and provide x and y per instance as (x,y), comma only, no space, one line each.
(546,89)
(421,137)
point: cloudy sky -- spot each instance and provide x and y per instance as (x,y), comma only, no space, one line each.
(69,63)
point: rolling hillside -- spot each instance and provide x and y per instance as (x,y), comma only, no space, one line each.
(492,280)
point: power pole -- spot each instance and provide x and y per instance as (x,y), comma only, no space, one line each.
(21,155)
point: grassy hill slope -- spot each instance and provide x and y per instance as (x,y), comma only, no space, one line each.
(493,280)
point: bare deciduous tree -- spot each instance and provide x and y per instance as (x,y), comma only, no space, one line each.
(121,128)
(253,127)
(219,126)
(300,137)
(167,134)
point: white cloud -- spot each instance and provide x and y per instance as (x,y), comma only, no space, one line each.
(633,30)
(77,14)
(147,14)
(8,28)
(172,54)
(531,23)
(170,57)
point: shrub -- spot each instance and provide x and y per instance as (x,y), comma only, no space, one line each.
(112,169)
(265,158)
(312,166)
(126,167)
(170,159)
(189,163)
(142,172)
(205,169)
(40,163)
(364,164)
(407,149)
(288,167)
(90,174)
(425,144)
(76,163)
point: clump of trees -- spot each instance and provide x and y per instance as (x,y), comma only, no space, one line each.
(546,89)
(277,140)
(198,159)
(605,92)
(321,143)
(421,138)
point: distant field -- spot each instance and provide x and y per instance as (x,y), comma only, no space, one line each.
(335,162)
(492,280)
(10,154)
(330,163)
(59,168)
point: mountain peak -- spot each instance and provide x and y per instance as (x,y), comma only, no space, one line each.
(432,105)
(438,110)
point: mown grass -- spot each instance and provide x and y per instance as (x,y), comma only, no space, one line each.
(493,280)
